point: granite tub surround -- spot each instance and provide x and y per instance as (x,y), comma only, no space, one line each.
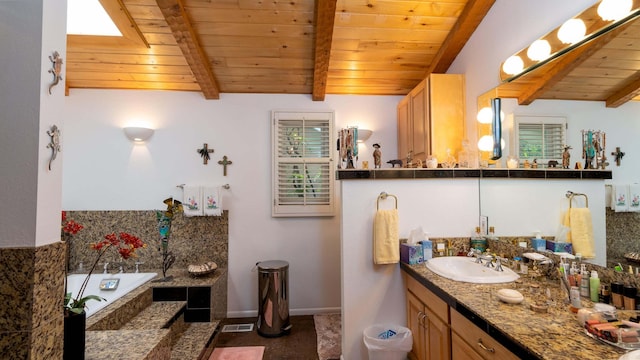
(193,240)
(623,230)
(529,335)
(31,319)
(129,344)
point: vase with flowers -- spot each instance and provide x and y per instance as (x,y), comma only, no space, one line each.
(74,306)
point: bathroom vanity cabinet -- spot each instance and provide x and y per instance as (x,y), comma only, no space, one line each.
(431,118)
(428,320)
(442,333)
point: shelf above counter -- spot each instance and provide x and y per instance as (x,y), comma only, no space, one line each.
(440,173)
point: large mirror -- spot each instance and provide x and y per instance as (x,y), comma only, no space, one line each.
(604,70)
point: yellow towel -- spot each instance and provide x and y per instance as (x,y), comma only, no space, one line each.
(582,232)
(567,222)
(386,241)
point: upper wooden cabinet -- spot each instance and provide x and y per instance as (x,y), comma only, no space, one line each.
(431,118)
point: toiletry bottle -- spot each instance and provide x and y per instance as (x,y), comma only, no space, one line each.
(616,295)
(594,285)
(478,242)
(572,275)
(629,296)
(605,294)
(584,282)
(575,297)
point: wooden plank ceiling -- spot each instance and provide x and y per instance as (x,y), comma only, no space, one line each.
(362,47)
(312,47)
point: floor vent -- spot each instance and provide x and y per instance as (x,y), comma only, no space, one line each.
(237,328)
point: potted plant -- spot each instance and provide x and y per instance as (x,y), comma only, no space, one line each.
(74,306)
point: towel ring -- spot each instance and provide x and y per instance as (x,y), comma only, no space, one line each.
(383,195)
(571,194)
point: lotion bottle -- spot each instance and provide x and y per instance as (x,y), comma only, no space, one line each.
(594,285)
(584,282)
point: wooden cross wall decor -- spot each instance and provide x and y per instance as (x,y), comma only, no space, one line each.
(224,162)
(618,154)
(204,153)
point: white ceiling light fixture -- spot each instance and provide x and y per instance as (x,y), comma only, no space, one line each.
(614,10)
(539,50)
(572,31)
(513,65)
(88,17)
(138,134)
(484,115)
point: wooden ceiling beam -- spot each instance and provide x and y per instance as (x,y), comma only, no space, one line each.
(176,16)
(627,93)
(325,17)
(469,19)
(556,70)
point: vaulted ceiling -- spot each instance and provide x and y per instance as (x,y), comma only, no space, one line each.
(315,47)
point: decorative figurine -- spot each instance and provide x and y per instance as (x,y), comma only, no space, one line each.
(56,70)
(552,164)
(566,157)
(394,162)
(377,156)
(534,164)
(54,144)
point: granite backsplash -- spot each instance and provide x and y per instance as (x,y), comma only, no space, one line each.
(193,240)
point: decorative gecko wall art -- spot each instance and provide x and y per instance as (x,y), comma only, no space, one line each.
(54,145)
(56,70)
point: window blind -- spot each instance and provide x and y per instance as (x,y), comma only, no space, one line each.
(542,139)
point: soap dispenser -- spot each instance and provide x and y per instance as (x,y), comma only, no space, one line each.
(478,242)
(584,282)
(594,286)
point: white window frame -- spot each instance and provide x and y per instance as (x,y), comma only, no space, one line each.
(542,121)
(326,206)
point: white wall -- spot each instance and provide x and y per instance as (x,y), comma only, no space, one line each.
(374,294)
(103,170)
(28,111)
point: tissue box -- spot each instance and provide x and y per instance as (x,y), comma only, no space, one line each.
(559,246)
(411,254)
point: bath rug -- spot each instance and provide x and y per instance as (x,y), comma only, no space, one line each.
(329,335)
(238,353)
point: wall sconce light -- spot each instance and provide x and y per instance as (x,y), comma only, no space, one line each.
(364,135)
(138,134)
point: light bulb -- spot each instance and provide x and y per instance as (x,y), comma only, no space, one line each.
(485,143)
(484,115)
(572,31)
(513,65)
(614,10)
(539,50)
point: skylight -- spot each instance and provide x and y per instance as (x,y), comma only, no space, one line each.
(88,17)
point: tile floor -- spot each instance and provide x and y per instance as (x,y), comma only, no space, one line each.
(299,344)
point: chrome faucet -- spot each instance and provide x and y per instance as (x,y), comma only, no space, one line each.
(138,263)
(489,259)
(105,268)
(499,261)
(475,253)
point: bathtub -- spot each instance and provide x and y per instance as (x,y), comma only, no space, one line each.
(126,283)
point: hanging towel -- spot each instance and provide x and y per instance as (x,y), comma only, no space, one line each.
(212,201)
(582,232)
(192,201)
(386,241)
(634,197)
(620,198)
(566,222)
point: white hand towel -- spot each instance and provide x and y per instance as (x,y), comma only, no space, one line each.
(192,201)
(634,197)
(212,201)
(386,241)
(620,194)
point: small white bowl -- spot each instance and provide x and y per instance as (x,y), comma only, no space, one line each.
(510,296)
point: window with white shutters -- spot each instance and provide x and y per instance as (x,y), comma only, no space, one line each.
(540,138)
(303,176)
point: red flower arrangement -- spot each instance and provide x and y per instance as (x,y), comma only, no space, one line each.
(69,228)
(125,244)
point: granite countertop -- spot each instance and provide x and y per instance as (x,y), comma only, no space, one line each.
(553,335)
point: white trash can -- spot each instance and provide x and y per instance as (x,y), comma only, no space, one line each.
(388,342)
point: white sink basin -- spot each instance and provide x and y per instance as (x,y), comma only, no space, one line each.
(462,268)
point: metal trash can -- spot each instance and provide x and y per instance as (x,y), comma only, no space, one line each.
(273,298)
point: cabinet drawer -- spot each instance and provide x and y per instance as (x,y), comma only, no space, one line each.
(479,340)
(460,350)
(431,300)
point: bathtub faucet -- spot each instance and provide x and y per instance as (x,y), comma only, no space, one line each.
(106,268)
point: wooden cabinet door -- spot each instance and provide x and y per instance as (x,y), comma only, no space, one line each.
(446,109)
(415,323)
(438,337)
(419,121)
(460,350)
(404,130)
